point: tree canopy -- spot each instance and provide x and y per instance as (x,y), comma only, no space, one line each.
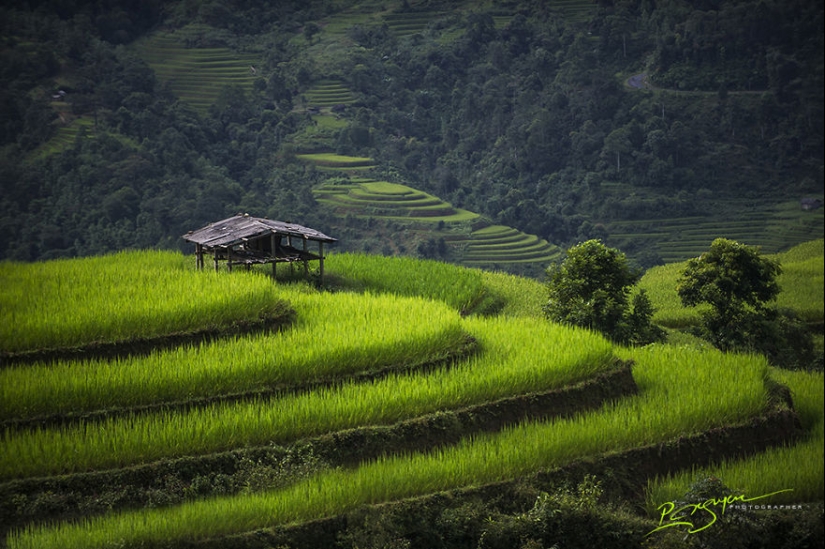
(512,110)
(739,284)
(730,277)
(591,288)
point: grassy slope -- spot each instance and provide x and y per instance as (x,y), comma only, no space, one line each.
(523,298)
(801,282)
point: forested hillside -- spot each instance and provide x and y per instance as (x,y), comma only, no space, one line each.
(127,123)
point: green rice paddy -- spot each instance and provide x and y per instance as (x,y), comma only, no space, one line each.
(328,93)
(195,70)
(801,282)
(770,226)
(122,297)
(486,246)
(405,312)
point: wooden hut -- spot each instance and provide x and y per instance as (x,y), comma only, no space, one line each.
(246,240)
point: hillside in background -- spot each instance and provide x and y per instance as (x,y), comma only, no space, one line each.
(654,126)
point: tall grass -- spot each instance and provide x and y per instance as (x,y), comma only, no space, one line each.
(683,391)
(803,252)
(803,288)
(121,297)
(660,284)
(518,357)
(334,335)
(769,471)
(458,287)
(523,297)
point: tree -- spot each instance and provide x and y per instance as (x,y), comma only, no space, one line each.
(618,142)
(591,288)
(310,30)
(737,283)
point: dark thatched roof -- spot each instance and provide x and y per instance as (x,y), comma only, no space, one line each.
(240,228)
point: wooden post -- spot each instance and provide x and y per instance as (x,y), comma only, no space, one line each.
(199,256)
(291,263)
(306,263)
(274,253)
(215,259)
(321,254)
(229,258)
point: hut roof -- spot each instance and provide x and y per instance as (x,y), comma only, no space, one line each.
(237,229)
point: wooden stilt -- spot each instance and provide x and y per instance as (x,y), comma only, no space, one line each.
(273,244)
(306,263)
(291,264)
(321,267)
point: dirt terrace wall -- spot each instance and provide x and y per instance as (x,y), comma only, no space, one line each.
(624,475)
(85,494)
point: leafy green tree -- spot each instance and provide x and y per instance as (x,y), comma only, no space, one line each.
(591,289)
(737,283)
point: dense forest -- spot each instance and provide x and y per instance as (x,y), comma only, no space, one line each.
(507,108)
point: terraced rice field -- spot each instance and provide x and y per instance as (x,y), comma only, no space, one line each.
(574,10)
(401,23)
(64,137)
(484,247)
(528,397)
(52,306)
(502,244)
(489,246)
(801,280)
(773,228)
(331,160)
(360,13)
(196,73)
(328,93)
(409,23)
(371,198)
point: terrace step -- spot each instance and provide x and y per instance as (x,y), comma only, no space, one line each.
(772,226)
(501,244)
(328,93)
(196,74)
(408,23)
(419,433)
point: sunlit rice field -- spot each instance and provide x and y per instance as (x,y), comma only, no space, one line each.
(333,335)
(802,283)
(122,297)
(730,388)
(768,472)
(507,367)
(457,287)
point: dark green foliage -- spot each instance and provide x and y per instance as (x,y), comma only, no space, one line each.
(514,113)
(738,283)
(591,289)
(161,484)
(729,277)
(571,516)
